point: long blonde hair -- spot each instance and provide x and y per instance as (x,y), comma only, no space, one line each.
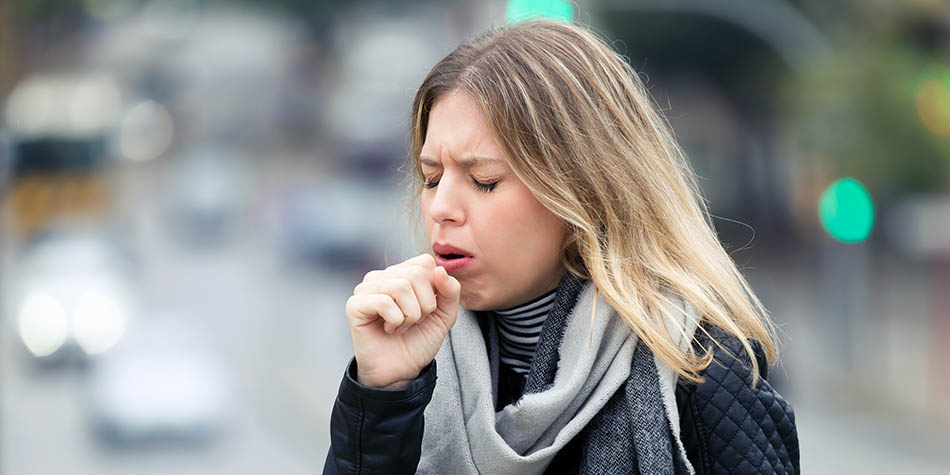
(578,128)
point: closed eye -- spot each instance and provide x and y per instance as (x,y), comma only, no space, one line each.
(486,187)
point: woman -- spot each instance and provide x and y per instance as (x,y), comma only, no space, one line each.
(597,325)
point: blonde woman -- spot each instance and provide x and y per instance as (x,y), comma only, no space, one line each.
(576,304)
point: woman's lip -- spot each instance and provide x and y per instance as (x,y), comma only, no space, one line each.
(452,265)
(445,249)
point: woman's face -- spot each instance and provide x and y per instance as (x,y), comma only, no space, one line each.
(472,201)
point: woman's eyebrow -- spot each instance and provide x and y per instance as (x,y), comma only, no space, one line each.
(467,162)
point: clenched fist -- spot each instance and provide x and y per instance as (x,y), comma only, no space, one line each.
(398,319)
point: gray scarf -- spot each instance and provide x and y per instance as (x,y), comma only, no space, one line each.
(589,378)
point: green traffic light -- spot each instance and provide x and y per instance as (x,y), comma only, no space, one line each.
(846,211)
(557,10)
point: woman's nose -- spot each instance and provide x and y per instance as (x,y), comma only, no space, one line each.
(446,205)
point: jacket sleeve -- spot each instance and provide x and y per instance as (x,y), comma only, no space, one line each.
(377,430)
(729,426)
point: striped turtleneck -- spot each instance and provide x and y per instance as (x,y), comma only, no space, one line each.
(519,329)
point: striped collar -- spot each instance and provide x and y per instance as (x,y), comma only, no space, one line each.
(519,328)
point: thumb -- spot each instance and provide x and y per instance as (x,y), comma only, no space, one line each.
(448,289)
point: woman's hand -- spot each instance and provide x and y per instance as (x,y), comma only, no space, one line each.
(398,319)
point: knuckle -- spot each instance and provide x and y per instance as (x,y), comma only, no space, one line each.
(383,286)
(371,275)
(404,285)
(421,274)
(392,286)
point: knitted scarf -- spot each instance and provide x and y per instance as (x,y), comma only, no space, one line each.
(589,378)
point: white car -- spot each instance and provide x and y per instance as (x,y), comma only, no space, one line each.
(71,295)
(162,382)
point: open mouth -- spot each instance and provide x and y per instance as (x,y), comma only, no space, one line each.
(450,257)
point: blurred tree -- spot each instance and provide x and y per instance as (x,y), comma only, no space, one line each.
(878,112)
(7,47)
(689,57)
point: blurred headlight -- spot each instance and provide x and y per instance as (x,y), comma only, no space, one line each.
(99,322)
(43,324)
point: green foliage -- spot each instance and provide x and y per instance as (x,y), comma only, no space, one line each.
(861,114)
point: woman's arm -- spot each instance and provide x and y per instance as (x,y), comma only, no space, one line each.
(378,430)
(398,318)
(730,427)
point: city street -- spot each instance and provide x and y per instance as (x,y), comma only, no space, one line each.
(280,330)
(190,191)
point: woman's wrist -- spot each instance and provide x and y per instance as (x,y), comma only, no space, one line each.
(387,385)
(393,386)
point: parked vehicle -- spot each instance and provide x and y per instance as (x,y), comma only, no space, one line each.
(73,294)
(161,383)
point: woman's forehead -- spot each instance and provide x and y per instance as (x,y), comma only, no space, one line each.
(464,161)
(456,123)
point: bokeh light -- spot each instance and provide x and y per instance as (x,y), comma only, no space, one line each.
(521,10)
(99,322)
(933,105)
(146,131)
(43,324)
(846,211)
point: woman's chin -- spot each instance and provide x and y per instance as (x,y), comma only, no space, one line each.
(475,302)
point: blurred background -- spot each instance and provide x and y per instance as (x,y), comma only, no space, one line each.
(191,189)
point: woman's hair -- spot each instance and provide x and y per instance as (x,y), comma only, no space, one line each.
(578,128)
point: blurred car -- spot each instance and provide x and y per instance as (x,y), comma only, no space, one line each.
(59,130)
(342,225)
(205,196)
(161,383)
(72,295)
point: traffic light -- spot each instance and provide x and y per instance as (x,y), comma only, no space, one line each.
(846,211)
(557,10)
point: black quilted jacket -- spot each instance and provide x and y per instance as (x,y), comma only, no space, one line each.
(726,425)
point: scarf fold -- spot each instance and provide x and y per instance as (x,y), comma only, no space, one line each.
(589,378)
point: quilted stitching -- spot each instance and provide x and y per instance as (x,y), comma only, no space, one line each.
(747,430)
